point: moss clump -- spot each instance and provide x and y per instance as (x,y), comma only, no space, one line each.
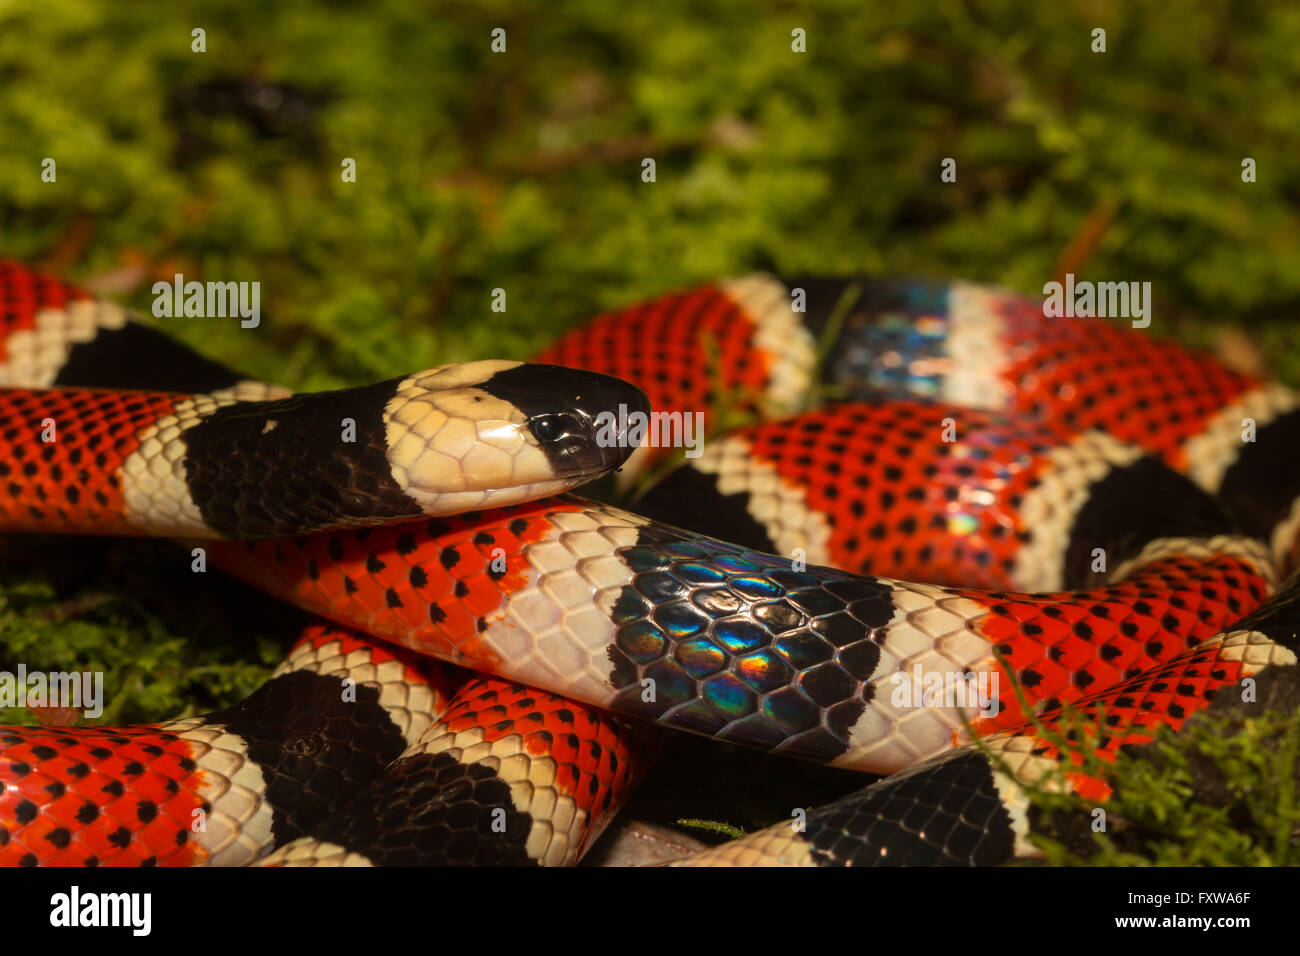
(1220,792)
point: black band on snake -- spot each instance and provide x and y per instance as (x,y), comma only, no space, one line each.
(1082,511)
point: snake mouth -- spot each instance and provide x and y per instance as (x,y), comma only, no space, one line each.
(579,419)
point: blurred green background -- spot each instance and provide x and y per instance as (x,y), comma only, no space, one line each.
(522,170)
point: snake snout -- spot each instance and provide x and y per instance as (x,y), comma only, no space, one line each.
(494,433)
(584,432)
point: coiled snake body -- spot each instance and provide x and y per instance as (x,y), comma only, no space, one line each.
(1100,518)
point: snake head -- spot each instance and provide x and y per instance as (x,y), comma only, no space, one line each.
(493,433)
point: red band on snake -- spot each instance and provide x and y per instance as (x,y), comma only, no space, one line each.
(1046,454)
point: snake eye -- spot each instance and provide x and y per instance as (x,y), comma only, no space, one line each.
(547,427)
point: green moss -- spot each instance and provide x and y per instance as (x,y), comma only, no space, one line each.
(169,642)
(712,827)
(1220,792)
(522,170)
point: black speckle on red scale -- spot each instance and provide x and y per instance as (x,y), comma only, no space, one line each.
(369,585)
(72,805)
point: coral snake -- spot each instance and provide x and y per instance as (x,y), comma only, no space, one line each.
(1067,508)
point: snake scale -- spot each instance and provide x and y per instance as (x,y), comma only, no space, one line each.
(989,499)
